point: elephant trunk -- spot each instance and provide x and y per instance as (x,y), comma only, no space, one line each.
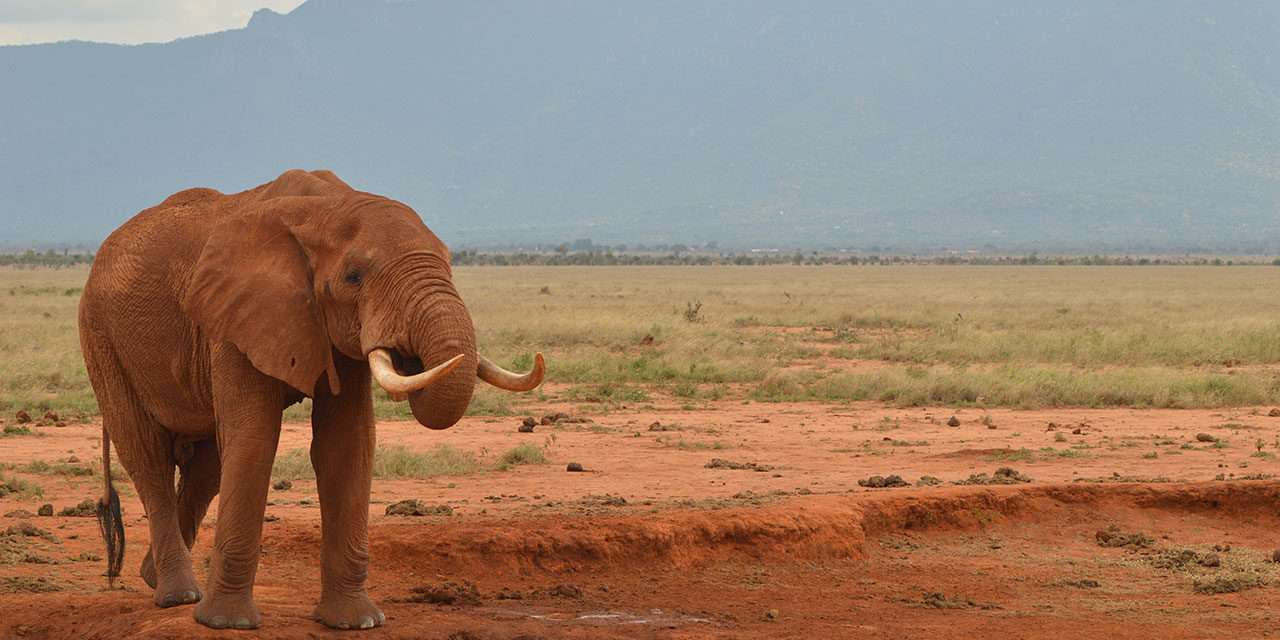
(440,332)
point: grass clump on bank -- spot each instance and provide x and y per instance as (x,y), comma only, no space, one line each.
(12,485)
(526,453)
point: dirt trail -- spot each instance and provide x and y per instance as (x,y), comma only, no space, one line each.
(651,543)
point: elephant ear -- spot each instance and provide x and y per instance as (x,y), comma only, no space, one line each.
(252,287)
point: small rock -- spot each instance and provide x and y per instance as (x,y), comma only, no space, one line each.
(22,416)
(51,417)
(525,428)
(270,518)
(565,591)
(86,509)
(575,467)
(527,425)
(19,513)
(282,485)
(928,481)
(646,341)
(45,510)
(1275,555)
(771,615)
(953,421)
(991,426)
(1274,413)
(1077,431)
(1205,437)
(72,459)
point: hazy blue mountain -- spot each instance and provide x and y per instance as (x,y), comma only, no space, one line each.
(1019,124)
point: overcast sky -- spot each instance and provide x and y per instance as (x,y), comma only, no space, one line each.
(124,21)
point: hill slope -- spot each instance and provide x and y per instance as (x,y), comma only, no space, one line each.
(828,123)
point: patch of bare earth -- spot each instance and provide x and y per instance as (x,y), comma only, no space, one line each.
(653,541)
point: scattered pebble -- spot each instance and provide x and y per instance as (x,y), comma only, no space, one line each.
(45,510)
(282,485)
(953,421)
(86,509)
(574,466)
(1205,437)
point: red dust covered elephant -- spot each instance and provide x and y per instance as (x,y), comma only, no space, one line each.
(205,316)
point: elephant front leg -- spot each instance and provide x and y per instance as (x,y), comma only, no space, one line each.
(342,445)
(248,404)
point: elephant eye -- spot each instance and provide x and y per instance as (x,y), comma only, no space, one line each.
(353,277)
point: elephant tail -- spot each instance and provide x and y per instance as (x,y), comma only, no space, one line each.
(110,521)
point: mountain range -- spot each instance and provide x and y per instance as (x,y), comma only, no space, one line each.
(1087,125)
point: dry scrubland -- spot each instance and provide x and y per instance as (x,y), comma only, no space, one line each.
(1025,337)
(766,452)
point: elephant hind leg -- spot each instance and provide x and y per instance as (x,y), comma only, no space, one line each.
(197,486)
(145,448)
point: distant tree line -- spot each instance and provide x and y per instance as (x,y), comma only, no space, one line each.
(694,257)
(611,258)
(47,258)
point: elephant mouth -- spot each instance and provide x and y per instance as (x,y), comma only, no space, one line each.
(405,364)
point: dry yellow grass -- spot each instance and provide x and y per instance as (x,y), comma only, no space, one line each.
(1022,336)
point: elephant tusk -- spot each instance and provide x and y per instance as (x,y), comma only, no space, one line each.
(503,379)
(399,386)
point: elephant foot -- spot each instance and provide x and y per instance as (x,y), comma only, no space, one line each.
(228,612)
(348,611)
(178,588)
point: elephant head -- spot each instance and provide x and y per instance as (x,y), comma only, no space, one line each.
(305,269)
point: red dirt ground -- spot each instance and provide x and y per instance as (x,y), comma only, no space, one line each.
(797,551)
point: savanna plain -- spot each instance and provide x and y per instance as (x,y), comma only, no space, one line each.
(762,452)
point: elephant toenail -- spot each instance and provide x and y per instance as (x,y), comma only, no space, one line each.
(366,622)
(243,623)
(217,622)
(190,596)
(169,601)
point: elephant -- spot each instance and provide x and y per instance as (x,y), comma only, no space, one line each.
(205,316)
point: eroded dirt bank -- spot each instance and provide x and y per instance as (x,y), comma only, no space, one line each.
(953,562)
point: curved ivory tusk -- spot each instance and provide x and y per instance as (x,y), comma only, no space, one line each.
(399,386)
(503,379)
